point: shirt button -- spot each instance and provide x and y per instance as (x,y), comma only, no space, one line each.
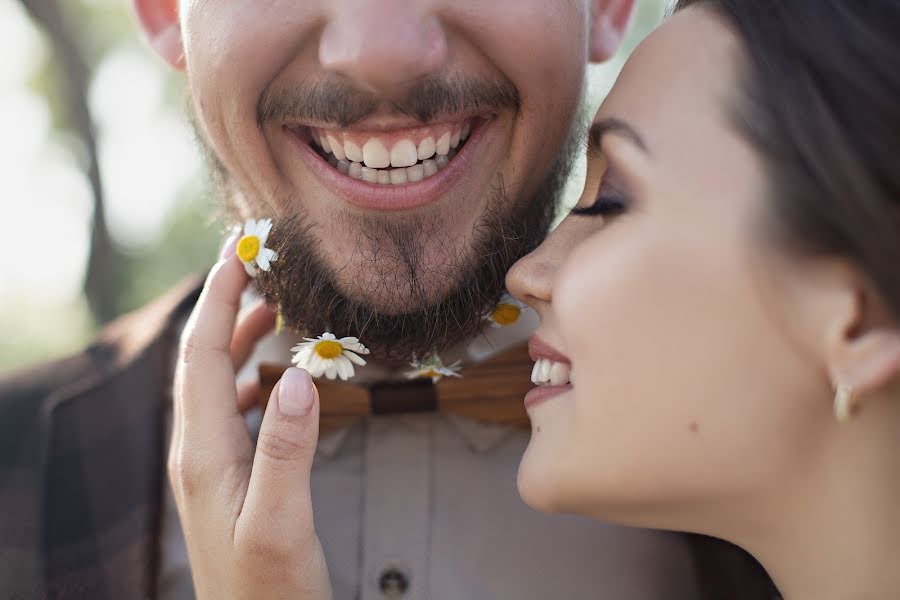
(393,583)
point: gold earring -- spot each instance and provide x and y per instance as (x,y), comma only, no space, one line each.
(844,402)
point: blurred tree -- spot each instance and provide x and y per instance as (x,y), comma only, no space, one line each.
(104,260)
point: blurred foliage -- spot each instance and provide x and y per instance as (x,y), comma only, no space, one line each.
(39,329)
(189,246)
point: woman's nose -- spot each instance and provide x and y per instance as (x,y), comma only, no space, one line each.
(531,279)
(384,45)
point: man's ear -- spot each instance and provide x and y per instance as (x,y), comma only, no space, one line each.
(863,346)
(609,22)
(159,21)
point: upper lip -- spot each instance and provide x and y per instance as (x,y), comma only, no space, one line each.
(376,125)
(538,349)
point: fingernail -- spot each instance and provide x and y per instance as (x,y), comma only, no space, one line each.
(295,393)
(230,246)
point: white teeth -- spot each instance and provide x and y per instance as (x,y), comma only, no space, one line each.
(370,174)
(559,374)
(443,145)
(546,372)
(375,155)
(352,152)
(395,176)
(535,371)
(398,176)
(337,148)
(415,173)
(404,154)
(403,163)
(426,148)
(454,139)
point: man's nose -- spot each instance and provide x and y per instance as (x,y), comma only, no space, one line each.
(383,45)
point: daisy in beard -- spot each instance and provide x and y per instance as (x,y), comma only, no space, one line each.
(329,356)
(251,248)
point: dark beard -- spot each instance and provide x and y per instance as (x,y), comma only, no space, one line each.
(311,301)
(398,315)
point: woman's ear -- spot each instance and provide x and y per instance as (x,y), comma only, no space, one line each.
(863,347)
(609,22)
(159,21)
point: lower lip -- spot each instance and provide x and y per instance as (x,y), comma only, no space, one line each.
(543,393)
(373,196)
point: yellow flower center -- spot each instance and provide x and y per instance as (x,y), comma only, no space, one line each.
(248,248)
(329,349)
(431,374)
(506,314)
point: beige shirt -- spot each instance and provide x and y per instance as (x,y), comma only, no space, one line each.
(426,507)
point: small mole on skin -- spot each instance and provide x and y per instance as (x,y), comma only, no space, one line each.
(694,428)
(537,429)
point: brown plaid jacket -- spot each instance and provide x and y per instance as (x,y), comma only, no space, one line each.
(82,471)
(82,463)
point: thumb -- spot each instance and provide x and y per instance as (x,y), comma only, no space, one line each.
(279,479)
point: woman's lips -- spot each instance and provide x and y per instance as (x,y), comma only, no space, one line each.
(398,196)
(542,393)
(552,373)
(538,348)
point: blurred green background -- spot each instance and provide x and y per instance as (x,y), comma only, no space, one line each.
(102,187)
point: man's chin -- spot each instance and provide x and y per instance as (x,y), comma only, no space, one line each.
(394,319)
(390,297)
(402,294)
(391,286)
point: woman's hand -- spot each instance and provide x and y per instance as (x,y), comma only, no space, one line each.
(246,513)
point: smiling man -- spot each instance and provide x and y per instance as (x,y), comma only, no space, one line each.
(408,152)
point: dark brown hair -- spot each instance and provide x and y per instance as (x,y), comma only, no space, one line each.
(821,103)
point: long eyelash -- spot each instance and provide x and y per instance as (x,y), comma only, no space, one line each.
(605,207)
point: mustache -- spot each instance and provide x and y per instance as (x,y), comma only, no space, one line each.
(337,102)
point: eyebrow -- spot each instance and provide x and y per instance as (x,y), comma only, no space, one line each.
(614,125)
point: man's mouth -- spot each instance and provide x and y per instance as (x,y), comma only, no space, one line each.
(400,168)
(392,157)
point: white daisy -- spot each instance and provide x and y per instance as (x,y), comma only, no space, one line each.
(329,356)
(434,368)
(251,248)
(508,312)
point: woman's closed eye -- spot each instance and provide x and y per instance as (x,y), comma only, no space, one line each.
(608,203)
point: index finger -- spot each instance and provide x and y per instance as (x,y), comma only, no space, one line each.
(205,394)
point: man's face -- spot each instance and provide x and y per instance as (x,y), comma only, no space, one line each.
(395,137)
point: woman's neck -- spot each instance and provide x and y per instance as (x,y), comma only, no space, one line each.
(834,530)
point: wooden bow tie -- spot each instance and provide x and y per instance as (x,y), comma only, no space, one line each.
(491,392)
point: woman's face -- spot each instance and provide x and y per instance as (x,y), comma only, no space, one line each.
(689,385)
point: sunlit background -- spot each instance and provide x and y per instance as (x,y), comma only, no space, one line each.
(76,84)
